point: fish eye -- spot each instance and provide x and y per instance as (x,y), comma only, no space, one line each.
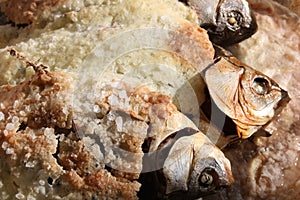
(207,178)
(261,86)
(234,20)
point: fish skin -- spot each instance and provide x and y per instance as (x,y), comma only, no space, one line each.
(250,98)
(216,17)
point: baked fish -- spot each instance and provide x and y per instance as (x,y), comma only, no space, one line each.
(227,21)
(250,98)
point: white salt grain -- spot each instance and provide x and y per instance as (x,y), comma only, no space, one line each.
(20,196)
(9,151)
(4,145)
(113,100)
(9,126)
(119,123)
(15,119)
(41,182)
(31,164)
(96,109)
(1,184)
(22,113)
(2,117)
(2,106)
(27,156)
(123,94)
(111,116)
(5,133)
(37,96)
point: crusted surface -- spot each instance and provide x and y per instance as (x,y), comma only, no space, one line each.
(87,152)
(39,151)
(77,32)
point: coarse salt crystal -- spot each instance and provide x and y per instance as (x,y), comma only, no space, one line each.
(16,103)
(41,190)
(113,100)
(96,109)
(4,145)
(20,196)
(9,126)
(37,96)
(9,151)
(5,133)
(41,182)
(15,119)
(22,113)
(111,116)
(119,123)
(65,110)
(2,117)
(27,155)
(1,184)
(48,131)
(31,164)
(123,94)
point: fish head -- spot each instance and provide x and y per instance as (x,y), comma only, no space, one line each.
(195,167)
(250,98)
(234,22)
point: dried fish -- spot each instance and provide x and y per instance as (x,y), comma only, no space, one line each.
(192,166)
(250,98)
(227,21)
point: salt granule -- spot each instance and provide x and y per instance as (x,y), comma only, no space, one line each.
(123,94)
(9,151)
(111,116)
(96,109)
(9,126)
(1,116)
(113,100)
(119,123)
(15,119)
(31,164)
(20,196)
(1,184)
(4,145)
(41,182)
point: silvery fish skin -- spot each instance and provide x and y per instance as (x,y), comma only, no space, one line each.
(227,21)
(250,98)
(193,166)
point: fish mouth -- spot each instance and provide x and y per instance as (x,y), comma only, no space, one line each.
(285,99)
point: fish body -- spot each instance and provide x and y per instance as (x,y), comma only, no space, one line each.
(250,98)
(227,21)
